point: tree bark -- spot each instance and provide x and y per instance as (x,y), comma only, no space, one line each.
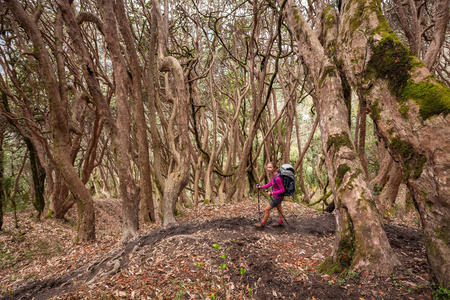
(179,178)
(441,18)
(299,163)
(38,174)
(361,148)
(411,112)
(3,124)
(360,238)
(60,129)
(146,201)
(152,98)
(386,184)
(128,189)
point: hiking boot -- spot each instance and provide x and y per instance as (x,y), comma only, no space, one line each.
(259,226)
(277,224)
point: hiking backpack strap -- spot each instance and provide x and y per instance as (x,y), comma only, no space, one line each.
(275,179)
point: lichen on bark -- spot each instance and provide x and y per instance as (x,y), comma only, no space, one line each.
(328,71)
(342,169)
(339,140)
(344,255)
(413,162)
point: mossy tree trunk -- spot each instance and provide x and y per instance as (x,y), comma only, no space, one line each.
(411,111)
(361,241)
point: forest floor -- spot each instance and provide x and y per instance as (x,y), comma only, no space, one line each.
(212,252)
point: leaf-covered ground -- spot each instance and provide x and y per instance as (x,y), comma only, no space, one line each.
(212,252)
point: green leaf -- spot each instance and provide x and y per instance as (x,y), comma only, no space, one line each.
(243,271)
(216,246)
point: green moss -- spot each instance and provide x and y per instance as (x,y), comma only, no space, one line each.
(375,110)
(390,131)
(330,20)
(342,169)
(383,25)
(352,178)
(433,98)
(344,254)
(442,234)
(339,140)
(364,208)
(358,17)
(392,61)
(328,71)
(404,109)
(412,162)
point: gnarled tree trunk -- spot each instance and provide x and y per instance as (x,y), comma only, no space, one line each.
(147,210)
(179,178)
(411,112)
(360,238)
(128,189)
(60,128)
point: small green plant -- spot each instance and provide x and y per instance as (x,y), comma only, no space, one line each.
(353,274)
(181,291)
(441,293)
(212,297)
(222,267)
(250,291)
(198,265)
(243,271)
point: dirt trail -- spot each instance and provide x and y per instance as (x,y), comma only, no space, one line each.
(274,263)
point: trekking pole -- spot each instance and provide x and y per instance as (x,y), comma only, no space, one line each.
(280,212)
(259,211)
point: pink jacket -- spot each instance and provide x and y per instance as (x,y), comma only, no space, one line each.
(278,187)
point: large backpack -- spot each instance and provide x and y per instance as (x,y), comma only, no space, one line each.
(287,174)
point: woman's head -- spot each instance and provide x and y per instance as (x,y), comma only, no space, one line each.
(271,167)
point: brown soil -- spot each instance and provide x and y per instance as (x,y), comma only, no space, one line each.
(180,261)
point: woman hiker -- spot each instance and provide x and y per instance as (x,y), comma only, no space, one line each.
(277,196)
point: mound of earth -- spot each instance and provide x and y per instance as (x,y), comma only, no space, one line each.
(212,252)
